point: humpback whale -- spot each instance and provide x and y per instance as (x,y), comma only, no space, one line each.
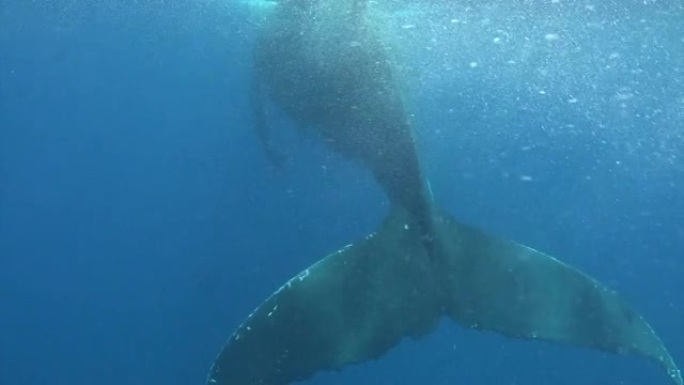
(325,65)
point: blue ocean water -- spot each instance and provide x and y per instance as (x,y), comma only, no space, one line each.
(140,222)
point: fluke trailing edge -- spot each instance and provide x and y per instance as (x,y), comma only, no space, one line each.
(322,63)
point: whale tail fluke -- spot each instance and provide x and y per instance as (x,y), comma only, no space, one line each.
(517,291)
(358,303)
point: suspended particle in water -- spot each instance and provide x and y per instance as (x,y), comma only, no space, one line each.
(551,37)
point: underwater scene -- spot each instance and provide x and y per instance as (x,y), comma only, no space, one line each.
(271,192)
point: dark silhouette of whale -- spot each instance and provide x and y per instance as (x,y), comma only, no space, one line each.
(324,64)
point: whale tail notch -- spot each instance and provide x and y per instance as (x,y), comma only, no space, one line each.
(356,304)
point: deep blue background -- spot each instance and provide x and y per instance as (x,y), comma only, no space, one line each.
(140,222)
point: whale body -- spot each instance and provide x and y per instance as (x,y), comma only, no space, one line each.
(323,63)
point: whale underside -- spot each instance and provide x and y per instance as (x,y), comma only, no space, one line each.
(326,67)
